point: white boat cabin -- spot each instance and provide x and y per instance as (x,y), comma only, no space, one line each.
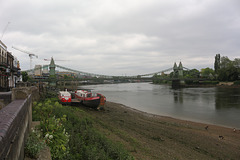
(65,94)
(85,94)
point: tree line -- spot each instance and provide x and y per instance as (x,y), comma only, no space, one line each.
(224,70)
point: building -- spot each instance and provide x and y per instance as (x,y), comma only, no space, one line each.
(38,70)
(45,70)
(16,71)
(66,74)
(9,69)
(3,67)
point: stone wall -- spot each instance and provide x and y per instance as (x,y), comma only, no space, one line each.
(5,98)
(23,92)
(15,122)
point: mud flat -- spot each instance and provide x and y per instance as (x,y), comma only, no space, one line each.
(148,136)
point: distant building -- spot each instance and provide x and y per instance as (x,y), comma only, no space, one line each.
(16,71)
(38,70)
(68,74)
(45,69)
(3,67)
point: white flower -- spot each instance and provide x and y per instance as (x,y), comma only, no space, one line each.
(46,136)
(50,136)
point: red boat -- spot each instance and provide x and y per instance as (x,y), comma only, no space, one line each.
(90,99)
(64,97)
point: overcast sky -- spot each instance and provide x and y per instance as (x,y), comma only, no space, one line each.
(122,37)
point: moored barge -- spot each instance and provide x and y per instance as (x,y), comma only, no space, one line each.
(90,99)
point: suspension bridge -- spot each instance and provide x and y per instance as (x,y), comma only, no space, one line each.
(177,76)
(178,71)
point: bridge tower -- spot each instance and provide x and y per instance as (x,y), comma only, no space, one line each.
(52,74)
(180,70)
(175,70)
(52,67)
(177,74)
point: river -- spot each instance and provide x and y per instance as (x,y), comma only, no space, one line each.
(220,106)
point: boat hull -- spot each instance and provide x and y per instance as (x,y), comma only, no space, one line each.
(92,103)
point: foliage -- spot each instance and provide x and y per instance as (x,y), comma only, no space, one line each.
(159,79)
(209,82)
(71,130)
(207,72)
(229,70)
(237,82)
(34,144)
(85,141)
(53,130)
(217,63)
(225,70)
(25,76)
(68,77)
(191,82)
(193,73)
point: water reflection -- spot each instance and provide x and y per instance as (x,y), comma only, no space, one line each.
(227,98)
(178,96)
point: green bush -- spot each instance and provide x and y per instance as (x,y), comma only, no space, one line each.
(34,145)
(53,130)
(237,83)
(85,141)
(209,82)
(70,134)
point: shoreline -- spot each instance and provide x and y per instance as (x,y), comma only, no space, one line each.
(150,136)
(174,118)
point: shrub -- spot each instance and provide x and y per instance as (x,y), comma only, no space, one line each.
(34,145)
(237,83)
(53,130)
(70,134)
(209,82)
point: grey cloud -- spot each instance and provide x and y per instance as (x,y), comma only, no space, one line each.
(123,37)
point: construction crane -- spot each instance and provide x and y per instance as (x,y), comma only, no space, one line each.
(31,55)
(4,30)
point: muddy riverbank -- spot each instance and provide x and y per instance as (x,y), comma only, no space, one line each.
(149,136)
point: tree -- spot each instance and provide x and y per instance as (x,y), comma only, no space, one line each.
(206,72)
(25,76)
(193,73)
(236,63)
(217,63)
(229,70)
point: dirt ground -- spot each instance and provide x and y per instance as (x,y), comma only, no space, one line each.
(149,137)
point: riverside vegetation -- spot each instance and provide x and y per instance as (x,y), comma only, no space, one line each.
(70,134)
(119,130)
(225,70)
